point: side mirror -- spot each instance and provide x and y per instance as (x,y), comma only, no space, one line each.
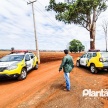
(81,57)
(32,57)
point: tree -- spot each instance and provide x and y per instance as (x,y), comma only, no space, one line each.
(81,12)
(105,28)
(76,46)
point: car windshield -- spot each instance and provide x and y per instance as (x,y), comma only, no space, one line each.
(10,58)
(104,54)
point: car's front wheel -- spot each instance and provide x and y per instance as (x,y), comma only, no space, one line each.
(23,74)
(36,66)
(93,69)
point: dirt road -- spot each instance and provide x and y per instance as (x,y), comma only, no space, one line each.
(43,88)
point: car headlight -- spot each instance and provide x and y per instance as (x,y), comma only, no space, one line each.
(13,66)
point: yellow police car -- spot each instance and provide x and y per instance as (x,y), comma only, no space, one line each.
(17,64)
(94,59)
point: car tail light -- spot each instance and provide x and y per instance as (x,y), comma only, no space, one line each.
(101,59)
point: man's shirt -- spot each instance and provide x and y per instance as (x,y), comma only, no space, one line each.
(67,64)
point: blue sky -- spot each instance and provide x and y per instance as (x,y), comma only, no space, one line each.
(16,27)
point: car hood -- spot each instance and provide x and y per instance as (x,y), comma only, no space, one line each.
(6,64)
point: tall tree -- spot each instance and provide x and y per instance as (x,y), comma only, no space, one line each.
(82,12)
(105,28)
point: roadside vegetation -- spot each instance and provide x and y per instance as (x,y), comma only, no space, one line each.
(76,46)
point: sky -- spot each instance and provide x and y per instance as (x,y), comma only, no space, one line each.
(17,28)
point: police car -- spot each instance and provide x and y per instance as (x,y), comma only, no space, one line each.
(17,64)
(94,59)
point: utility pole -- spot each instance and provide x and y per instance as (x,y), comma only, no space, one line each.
(36,42)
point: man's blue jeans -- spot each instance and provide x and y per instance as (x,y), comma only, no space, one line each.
(67,78)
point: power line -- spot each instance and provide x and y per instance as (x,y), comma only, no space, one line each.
(49,18)
(44,14)
(37,9)
(53,22)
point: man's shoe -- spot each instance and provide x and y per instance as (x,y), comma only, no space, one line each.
(66,90)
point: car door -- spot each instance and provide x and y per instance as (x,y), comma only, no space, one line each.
(33,61)
(83,60)
(28,62)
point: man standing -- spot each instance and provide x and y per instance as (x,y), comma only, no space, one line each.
(67,65)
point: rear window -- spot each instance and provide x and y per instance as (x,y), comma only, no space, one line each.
(104,54)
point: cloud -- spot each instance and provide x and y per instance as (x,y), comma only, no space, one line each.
(17,29)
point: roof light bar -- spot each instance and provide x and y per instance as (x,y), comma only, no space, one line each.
(19,51)
(93,50)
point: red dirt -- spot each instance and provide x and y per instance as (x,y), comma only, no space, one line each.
(43,88)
